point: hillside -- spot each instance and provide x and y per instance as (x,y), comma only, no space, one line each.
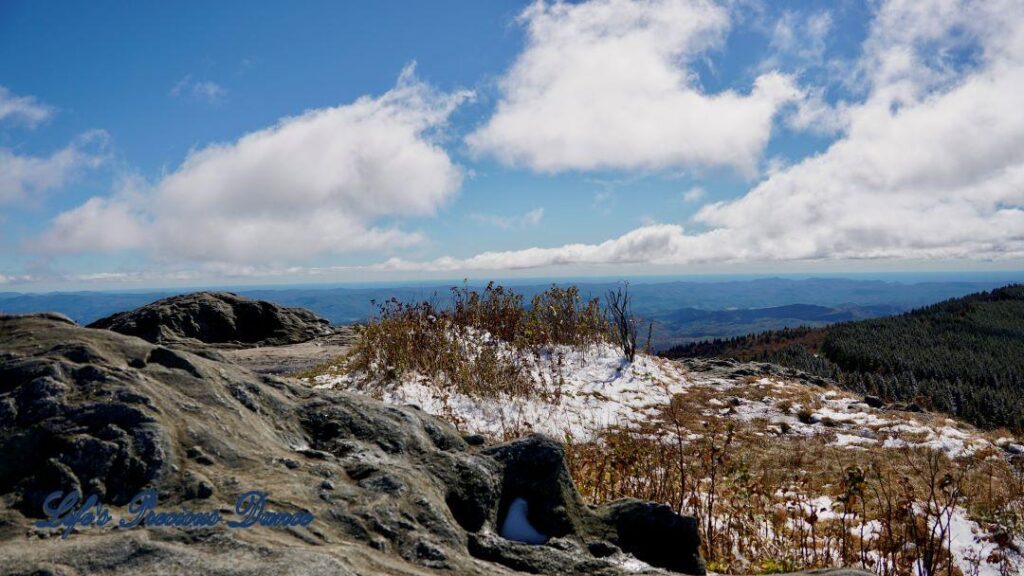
(763,469)
(687,325)
(963,356)
(783,470)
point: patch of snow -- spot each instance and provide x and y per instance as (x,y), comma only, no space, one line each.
(852,440)
(628,563)
(581,393)
(895,443)
(823,507)
(968,540)
(517,525)
(578,393)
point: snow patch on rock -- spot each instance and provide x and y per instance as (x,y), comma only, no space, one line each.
(517,524)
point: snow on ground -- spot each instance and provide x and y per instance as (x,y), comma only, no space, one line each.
(630,564)
(968,540)
(974,552)
(581,393)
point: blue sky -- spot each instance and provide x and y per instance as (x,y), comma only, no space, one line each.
(148,144)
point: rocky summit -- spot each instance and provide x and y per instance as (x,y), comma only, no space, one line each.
(221,318)
(391,489)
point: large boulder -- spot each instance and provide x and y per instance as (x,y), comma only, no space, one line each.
(217,318)
(534,470)
(71,421)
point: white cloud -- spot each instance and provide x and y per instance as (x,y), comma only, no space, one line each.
(198,90)
(931,164)
(24,109)
(531,218)
(646,244)
(326,181)
(25,178)
(99,224)
(813,114)
(22,279)
(605,84)
(694,194)
(800,39)
(798,42)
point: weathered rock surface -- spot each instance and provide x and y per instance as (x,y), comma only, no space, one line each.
(292,358)
(393,490)
(111,414)
(217,318)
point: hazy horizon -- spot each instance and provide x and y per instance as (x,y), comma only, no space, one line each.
(905,277)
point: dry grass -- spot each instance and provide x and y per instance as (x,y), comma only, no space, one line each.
(888,510)
(475,346)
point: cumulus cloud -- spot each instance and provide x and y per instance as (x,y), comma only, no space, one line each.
(605,84)
(24,109)
(326,181)
(799,42)
(99,224)
(26,178)
(640,245)
(814,114)
(931,164)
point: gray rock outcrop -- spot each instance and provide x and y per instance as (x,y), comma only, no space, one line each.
(219,318)
(393,490)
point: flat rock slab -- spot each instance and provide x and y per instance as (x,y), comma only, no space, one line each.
(292,358)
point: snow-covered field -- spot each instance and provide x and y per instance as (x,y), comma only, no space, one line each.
(581,393)
(578,394)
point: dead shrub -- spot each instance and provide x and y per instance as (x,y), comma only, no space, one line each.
(474,346)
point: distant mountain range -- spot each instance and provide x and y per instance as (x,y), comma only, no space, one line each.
(682,311)
(690,324)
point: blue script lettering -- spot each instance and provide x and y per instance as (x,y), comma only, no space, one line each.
(144,512)
(67,514)
(250,506)
(143,502)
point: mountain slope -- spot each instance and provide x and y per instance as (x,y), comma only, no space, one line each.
(964,356)
(691,324)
